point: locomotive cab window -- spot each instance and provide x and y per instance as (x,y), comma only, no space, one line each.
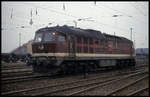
(38,37)
(49,36)
(61,38)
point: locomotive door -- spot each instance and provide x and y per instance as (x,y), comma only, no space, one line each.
(71,45)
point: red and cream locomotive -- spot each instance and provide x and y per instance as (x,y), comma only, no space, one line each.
(68,49)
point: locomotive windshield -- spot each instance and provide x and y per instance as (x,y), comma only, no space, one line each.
(38,37)
(49,37)
(61,38)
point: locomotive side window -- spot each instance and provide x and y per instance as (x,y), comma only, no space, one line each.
(61,38)
(101,43)
(91,41)
(85,40)
(49,37)
(38,37)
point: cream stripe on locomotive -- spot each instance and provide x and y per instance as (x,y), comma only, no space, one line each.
(82,55)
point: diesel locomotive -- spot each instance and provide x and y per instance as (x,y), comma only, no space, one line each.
(69,49)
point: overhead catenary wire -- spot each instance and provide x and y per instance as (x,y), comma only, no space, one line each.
(60,12)
(106,25)
(121,12)
(112,14)
(78,17)
(52,10)
(67,14)
(55,11)
(108,7)
(21,20)
(115,14)
(30,21)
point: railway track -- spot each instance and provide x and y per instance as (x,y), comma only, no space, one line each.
(139,92)
(28,77)
(102,88)
(10,70)
(16,67)
(23,78)
(23,75)
(16,74)
(131,88)
(58,87)
(76,87)
(10,65)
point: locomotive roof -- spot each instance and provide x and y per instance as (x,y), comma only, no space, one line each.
(89,33)
(118,38)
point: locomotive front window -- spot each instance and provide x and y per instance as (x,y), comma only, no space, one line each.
(49,37)
(61,38)
(38,37)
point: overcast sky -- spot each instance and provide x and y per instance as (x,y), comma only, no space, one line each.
(16,18)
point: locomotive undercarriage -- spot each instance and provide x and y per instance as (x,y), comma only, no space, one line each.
(69,65)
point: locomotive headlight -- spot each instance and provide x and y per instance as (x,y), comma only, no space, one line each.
(53,33)
(39,39)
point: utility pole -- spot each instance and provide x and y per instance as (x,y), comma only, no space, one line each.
(131,41)
(134,39)
(19,39)
(75,23)
(115,40)
(131,33)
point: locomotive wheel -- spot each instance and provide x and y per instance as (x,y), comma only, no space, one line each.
(40,69)
(62,69)
(36,68)
(65,68)
(133,62)
(118,64)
